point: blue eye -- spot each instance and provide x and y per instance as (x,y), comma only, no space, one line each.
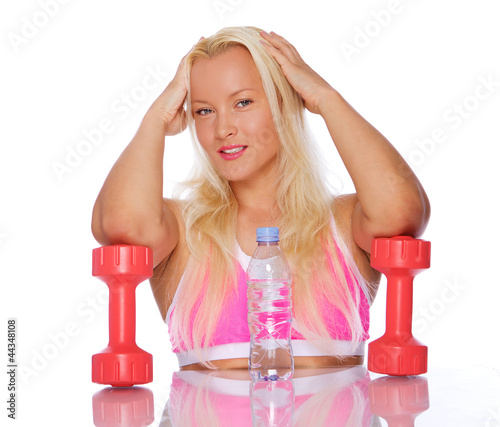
(203,111)
(245,102)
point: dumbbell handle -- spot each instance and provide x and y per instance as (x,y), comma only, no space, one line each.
(122,314)
(399,304)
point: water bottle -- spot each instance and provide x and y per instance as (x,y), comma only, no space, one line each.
(269,309)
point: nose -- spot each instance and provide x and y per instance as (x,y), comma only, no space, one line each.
(225,126)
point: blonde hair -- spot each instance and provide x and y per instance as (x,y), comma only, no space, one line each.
(305,202)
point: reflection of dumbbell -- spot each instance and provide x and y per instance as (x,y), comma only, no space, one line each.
(399,400)
(122,363)
(123,407)
(397,352)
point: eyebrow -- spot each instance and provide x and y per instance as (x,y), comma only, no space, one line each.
(230,95)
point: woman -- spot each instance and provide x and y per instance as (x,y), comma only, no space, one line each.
(245,92)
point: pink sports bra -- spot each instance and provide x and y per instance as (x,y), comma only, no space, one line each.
(232,336)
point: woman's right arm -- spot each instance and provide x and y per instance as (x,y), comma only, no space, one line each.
(130,208)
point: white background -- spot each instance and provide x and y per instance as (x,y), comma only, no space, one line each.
(406,66)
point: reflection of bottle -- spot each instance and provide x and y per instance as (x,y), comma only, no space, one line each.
(269,309)
(272,403)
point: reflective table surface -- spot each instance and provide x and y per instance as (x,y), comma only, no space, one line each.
(313,397)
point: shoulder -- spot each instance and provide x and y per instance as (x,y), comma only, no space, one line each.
(342,208)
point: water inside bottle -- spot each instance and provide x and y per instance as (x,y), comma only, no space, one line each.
(270,317)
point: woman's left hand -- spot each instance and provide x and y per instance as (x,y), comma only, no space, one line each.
(309,84)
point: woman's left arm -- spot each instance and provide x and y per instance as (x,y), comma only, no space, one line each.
(390,199)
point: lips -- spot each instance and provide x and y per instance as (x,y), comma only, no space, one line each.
(231,149)
(231,152)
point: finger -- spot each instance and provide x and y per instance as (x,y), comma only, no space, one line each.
(278,44)
(285,41)
(281,39)
(281,43)
(276,53)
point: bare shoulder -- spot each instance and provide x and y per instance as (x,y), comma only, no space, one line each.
(342,208)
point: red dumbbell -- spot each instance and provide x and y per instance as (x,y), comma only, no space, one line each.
(122,363)
(397,352)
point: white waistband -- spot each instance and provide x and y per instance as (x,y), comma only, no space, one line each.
(299,348)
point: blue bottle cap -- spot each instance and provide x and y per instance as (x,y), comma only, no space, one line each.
(268,234)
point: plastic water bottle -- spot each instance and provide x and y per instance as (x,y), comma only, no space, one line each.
(269,309)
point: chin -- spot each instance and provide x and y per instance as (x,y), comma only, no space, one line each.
(234,173)
(235,178)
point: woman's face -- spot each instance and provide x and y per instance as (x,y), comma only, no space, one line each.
(232,117)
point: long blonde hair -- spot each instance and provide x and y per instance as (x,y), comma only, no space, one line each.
(305,203)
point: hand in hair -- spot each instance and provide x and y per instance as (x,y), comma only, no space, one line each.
(389,199)
(170,104)
(309,84)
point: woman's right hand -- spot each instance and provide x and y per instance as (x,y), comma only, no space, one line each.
(170,104)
